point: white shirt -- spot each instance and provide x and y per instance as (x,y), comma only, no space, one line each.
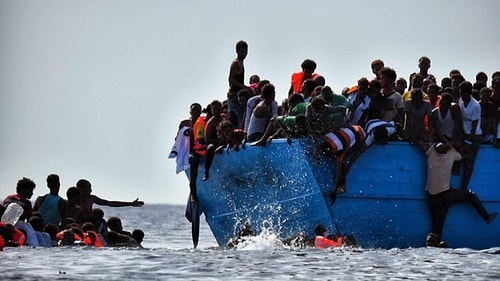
(470,112)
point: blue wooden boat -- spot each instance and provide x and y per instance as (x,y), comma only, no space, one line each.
(281,187)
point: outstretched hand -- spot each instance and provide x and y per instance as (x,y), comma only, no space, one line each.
(137,203)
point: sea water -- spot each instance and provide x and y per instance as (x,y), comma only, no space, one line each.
(168,255)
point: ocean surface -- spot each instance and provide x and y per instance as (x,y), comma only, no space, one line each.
(168,255)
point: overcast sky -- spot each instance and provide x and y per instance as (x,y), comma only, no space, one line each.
(96,89)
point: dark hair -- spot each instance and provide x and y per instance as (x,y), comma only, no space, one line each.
(241,45)
(466,87)
(82,183)
(72,192)
(389,73)
(320,230)
(25,184)
(308,64)
(481,76)
(195,105)
(268,90)
(380,135)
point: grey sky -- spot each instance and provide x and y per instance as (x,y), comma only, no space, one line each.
(96,89)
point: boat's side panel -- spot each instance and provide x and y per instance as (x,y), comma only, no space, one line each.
(386,205)
(255,186)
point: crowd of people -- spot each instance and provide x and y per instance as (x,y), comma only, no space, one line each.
(56,221)
(458,113)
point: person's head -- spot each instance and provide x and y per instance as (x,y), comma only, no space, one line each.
(68,237)
(53,183)
(88,226)
(441,148)
(319,80)
(417,97)
(268,92)
(401,85)
(294,99)
(432,240)
(195,111)
(380,135)
(375,87)
(242,49)
(114,224)
(307,87)
(376,66)
(465,90)
(138,235)
(417,81)
(243,96)
(433,90)
(318,104)
(308,67)
(424,63)
(84,186)
(216,107)
(300,123)
(261,84)
(73,194)
(327,94)
(387,77)
(495,84)
(25,187)
(485,94)
(363,85)
(320,230)
(226,129)
(482,77)
(445,82)
(7,231)
(254,79)
(36,222)
(52,230)
(445,101)
(454,72)
(456,79)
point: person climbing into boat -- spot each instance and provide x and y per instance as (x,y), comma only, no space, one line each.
(322,117)
(212,138)
(308,67)
(87,199)
(24,191)
(51,206)
(440,158)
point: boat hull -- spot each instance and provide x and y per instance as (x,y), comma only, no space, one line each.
(281,187)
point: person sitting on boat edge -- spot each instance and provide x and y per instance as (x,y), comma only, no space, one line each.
(292,125)
(440,158)
(231,136)
(212,138)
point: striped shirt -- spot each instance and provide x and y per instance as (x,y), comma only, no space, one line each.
(374,123)
(345,138)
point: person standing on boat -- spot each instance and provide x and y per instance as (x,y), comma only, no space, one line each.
(424,63)
(236,82)
(471,125)
(440,158)
(308,67)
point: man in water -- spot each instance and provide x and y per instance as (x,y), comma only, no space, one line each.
(440,158)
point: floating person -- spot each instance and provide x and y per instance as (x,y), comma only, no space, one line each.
(440,158)
(88,199)
(323,240)
(51,206)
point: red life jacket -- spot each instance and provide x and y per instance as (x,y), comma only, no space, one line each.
(298,79)
(322,242)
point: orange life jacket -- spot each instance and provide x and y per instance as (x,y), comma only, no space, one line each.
(59,236)
(91,238)
(322,242)
(199,133)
